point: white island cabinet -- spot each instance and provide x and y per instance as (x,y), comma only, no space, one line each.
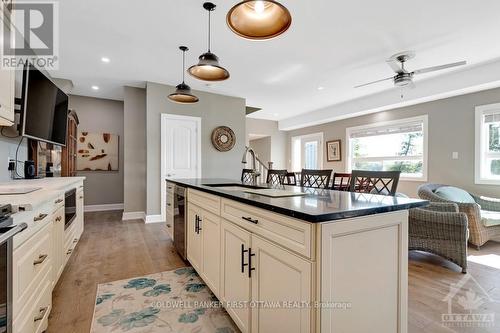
(277,273)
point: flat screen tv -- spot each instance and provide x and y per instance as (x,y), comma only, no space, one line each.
(45,116)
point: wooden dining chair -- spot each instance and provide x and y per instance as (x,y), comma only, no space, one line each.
(375,182)
(341,181)
(315,178)
(247,176)
(276,177)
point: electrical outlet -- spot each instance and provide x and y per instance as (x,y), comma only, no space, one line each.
(454,155)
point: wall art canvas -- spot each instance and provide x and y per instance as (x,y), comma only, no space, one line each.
(333,152)
(97,152)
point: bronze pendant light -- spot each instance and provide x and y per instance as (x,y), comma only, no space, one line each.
(259,19)
(208,67)
(182,92)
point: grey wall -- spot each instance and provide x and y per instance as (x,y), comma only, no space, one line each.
(214,110)
(451,129)
(134,123)
(8,150)
(262,147)
(278,139)
(98,116)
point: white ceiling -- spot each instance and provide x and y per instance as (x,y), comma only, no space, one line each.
(332,44)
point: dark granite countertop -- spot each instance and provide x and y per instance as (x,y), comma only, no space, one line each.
(315,206)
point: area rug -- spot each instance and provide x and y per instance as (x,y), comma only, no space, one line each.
(173,301)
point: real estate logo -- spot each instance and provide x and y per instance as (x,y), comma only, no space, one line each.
(31,35)
(467,305)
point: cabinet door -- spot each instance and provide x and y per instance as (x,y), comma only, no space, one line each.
(79,213)
(210,231)
(193,237)
(7,82)
(284,279)
(58,245)
(235,283)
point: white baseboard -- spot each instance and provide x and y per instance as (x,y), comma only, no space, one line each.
(134,216)
(154,219)
(102,208)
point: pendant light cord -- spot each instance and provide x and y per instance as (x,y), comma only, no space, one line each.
(209,30)
(183,64)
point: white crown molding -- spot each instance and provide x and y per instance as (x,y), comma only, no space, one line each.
(103,208)
(469,80)
(134,216)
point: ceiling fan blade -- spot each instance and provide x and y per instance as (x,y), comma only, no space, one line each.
(395,65)
(366,84)
(438,68)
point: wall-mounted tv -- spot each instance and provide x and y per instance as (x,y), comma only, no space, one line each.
(45,115)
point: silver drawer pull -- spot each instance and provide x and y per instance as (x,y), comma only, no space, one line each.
(249,219)
(42,313)
(69,251)
(40,260)
(58,201)
(39,217)
(75,240)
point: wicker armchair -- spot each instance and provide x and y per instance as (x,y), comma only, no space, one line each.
(478,232)
(441,229)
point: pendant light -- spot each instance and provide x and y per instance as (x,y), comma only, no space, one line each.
(208,68)
(259,19)
(182,92)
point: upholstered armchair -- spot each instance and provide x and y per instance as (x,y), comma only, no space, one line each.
(483,213)
(441,229)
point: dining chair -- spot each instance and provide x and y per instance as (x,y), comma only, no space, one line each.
(315,178)
(375,182)
(276,177)
(341,181)
(290,179)
(247,176)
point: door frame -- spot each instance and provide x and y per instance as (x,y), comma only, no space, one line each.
(165,117)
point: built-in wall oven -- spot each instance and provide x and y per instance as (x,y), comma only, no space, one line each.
(7,232)
(180,216)
(69,207)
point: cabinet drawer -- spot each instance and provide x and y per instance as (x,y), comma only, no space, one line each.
(170,223)
(35,318)
(204,200)
(295,235)
(170,187)
(31,262)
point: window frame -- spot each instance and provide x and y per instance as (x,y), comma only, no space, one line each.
(391,123)
(319,136)
(480,143)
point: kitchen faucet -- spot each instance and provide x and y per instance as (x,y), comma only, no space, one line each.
(255,173)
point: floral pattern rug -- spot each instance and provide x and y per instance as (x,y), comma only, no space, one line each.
(174,301)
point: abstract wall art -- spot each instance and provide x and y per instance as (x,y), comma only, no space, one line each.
(97,151)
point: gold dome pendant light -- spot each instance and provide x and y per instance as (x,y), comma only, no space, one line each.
(182,92)
(259,19)
(208,67)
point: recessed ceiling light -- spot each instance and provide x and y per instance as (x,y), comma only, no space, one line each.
(321,88)
(95,87)
(276,114)
(105,59)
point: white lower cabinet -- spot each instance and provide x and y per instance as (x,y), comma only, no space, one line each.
(194,237)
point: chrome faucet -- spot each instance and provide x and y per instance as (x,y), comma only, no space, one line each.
(255,173)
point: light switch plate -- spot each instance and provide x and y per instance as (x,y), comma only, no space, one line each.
(454,155)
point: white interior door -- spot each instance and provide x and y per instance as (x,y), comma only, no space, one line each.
(180,150)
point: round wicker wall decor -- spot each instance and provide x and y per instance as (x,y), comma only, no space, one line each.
(223,138)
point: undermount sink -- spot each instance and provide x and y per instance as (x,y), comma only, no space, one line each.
(260,190)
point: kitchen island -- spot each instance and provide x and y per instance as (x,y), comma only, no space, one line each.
(292,259)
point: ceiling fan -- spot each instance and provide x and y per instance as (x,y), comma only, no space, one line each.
(403,77)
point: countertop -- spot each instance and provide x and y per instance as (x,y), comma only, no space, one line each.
(50,187)
(317,205)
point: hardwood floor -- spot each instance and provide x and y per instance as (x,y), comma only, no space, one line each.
(112,250)
(109,250)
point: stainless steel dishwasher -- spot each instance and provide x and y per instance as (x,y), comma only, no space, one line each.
(180,220)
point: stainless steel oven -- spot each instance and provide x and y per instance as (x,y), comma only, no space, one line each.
(180,216)
(7,232)
(69,207)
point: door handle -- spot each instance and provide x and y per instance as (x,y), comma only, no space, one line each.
(39,217)
(40,260)
(243,251)
(196,223)
(41,312)
(250,268)
(249,219)
(58,201)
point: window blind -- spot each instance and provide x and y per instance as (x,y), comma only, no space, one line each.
(385,130)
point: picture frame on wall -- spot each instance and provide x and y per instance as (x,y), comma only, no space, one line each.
(333,151)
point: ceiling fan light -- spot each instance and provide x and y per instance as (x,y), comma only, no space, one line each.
(183,95)
(208,68)
(259,19)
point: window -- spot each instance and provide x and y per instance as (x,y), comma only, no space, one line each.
(487,168)
(399,145)
(307,152)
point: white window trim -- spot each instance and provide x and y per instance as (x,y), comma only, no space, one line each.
(479,140)
(305,136)
(424,119)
